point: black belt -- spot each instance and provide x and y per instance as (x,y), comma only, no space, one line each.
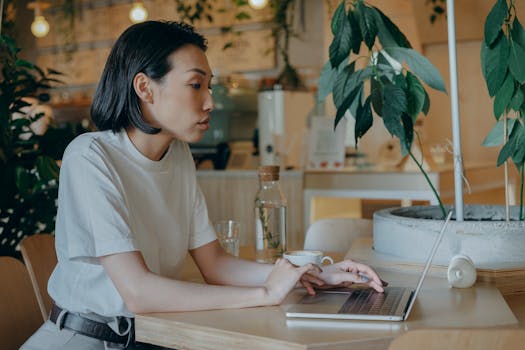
(90,328)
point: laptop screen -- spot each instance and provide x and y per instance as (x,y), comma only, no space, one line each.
(428,263)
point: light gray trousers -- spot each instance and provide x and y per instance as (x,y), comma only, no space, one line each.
(50,337)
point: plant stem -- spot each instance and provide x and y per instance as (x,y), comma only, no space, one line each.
(506,171)
(420,166)
(521,192)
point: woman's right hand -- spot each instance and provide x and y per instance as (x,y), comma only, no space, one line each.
(283,278)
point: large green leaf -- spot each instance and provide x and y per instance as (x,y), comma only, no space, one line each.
(367,24)
(341,45)
(419,65)
(426,104)
(389,34)
(363,119)
(495,137)
(357,101)
(494,21)
(357,37)
(517,32)
(517,100)
(345,105)
(376,95)
(399,80)
(338,17)
(518,157)
(494,63)
(340,83)
(516,60)
(408,133)
(394,104)
(504,96)
(509,147)
(326,82)
(349,83)
(415,96)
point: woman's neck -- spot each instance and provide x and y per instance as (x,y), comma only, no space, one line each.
(152,146)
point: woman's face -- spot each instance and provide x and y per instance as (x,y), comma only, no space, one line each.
(181,102)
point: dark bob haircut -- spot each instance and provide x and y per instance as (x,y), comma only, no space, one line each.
(143,47)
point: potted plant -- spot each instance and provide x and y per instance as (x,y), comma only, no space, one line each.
(28,169)
(398,97)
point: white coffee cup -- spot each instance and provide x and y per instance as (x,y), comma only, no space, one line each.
(303,257)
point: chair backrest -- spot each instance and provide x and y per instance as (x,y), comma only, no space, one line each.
(460,339)
(40,259)
(336,234)
(19,313)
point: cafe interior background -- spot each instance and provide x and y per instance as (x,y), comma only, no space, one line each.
(247,63)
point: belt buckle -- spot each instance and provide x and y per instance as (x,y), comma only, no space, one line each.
(130,330)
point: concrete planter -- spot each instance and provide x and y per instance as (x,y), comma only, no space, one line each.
(492,243)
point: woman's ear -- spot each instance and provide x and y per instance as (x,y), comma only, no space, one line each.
(142,86)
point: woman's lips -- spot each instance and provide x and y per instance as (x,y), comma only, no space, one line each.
(204,125)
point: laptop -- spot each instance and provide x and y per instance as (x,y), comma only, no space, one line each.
(359,303)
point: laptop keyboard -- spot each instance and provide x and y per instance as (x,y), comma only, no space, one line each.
(369,302)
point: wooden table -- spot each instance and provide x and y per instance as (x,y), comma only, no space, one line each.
(437,306)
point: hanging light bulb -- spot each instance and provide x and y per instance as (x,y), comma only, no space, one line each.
(39,27)
(138,13)
(257,4)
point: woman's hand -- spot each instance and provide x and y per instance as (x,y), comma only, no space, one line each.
(348,272)
(284,277)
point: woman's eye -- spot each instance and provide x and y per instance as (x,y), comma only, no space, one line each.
(196,86)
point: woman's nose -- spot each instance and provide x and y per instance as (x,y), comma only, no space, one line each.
(209,104)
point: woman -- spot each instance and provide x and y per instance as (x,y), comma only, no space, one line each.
(130,208)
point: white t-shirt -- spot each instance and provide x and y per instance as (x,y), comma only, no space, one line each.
(112,199)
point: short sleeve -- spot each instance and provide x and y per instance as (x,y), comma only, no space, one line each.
(93,211)
(203,231)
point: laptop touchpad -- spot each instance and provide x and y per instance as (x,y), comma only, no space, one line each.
(320,303)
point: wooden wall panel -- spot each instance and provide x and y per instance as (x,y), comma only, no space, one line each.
(231,195)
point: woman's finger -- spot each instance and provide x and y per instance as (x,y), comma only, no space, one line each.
(313,279)
(309,288)
(365,270)
(309,268)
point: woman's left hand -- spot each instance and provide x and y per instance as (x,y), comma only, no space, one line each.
(348,272)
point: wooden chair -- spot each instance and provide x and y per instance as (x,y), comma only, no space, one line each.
(40,259)
(336,234)
(19,313)
(460,339)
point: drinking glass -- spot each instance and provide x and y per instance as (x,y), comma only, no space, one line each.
(228,235)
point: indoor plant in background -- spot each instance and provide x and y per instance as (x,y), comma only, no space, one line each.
(485,236)
(28,169)
(394,93)
(283,14)
(502,58)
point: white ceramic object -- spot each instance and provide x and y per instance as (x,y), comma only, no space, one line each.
(461,272)
(490,242)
